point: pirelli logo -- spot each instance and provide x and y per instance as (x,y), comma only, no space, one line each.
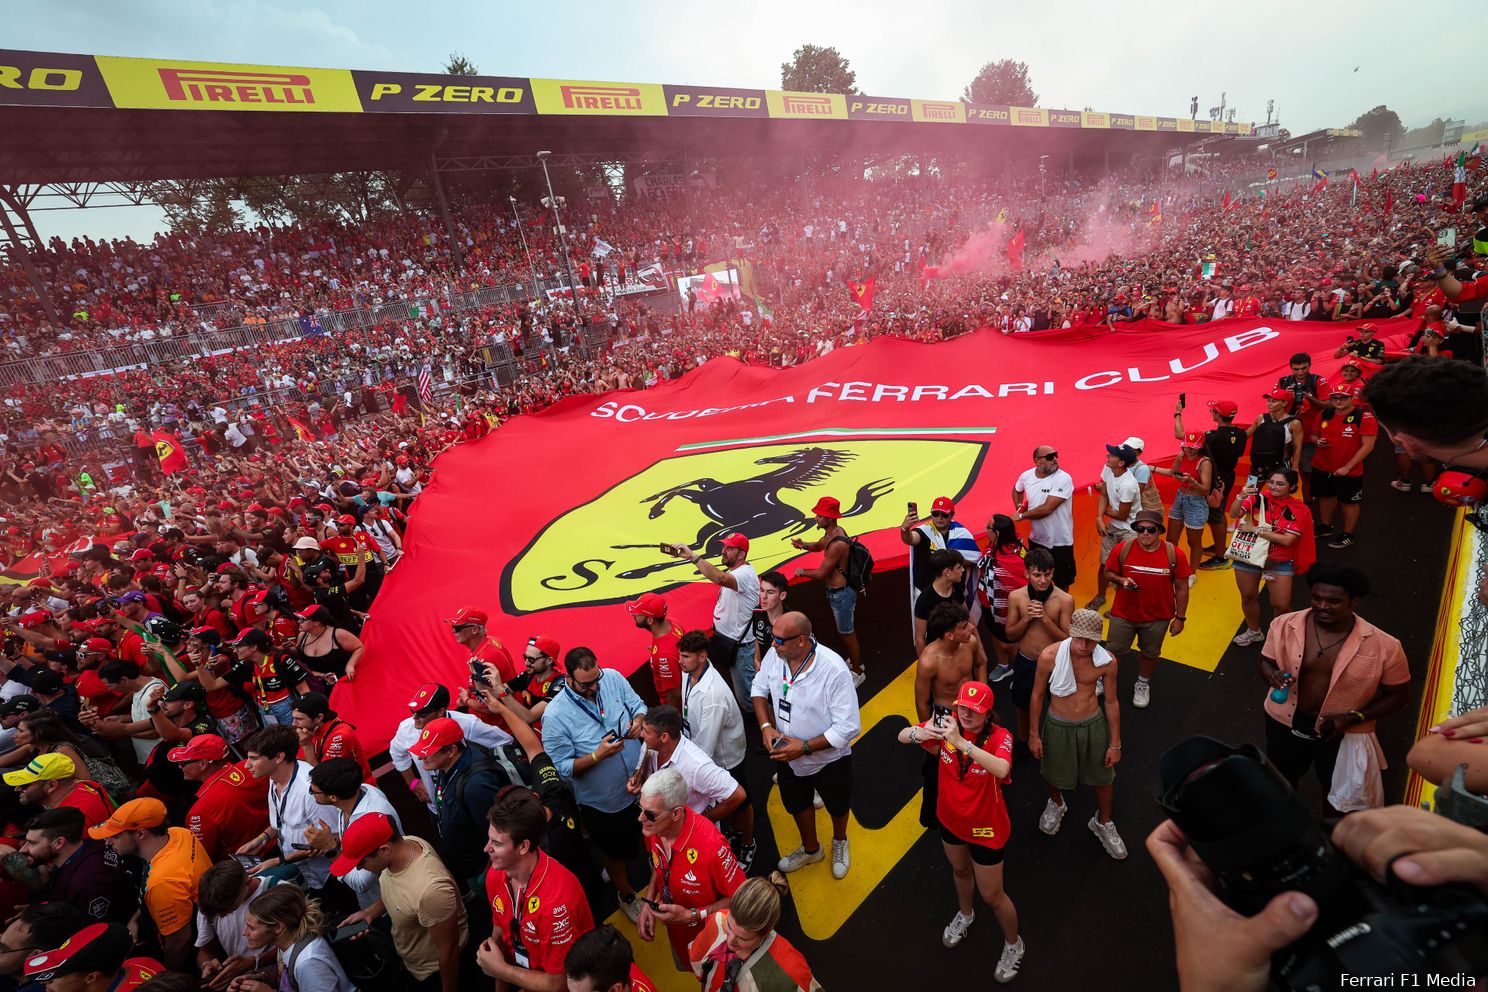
(935,110)
(1022,116)
(602,98)
(219,86)
(814,106)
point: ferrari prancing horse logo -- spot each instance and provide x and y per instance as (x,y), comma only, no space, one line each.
(613,542)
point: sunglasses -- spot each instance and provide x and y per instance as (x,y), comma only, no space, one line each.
(1148,530)
(653,817)
(788,637)
(584,686)
(937,513)
(531,659)
(1049,457)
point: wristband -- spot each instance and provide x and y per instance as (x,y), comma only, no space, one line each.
(1114,747)
(766,726)
(1184,619)
(1356,714)
(594,756)
(1438,272)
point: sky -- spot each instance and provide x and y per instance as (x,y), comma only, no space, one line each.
(1323,65)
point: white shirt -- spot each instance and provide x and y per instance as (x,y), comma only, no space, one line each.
(707,784)
(1223,307)
(1057,530)
(734,607)
(711,717)
(1121,489)
(137,712)
(371,800)
(228,928)
(1292,310)
(821,700)
(316,967)
(290,812)
(484,734)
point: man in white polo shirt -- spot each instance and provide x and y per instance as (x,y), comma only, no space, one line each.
(807,709)
(711,791)
(738,597)
(1043,497)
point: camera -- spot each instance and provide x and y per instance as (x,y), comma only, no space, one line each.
(1247,823)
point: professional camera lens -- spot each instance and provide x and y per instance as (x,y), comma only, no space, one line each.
(1247,823)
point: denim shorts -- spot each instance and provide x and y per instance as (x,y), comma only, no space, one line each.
(1272,568)
(843,602)
(1192,510)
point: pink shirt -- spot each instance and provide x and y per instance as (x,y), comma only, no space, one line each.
(1368,658)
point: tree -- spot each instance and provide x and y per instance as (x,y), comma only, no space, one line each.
(459,65)
(1004,82)
(197,207)
(1380,127)
(813,69)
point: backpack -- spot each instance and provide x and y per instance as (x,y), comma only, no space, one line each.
(370,959)
(1268,445)
(858,569)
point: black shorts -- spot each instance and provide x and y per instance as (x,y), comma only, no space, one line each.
(1024,670)
(984,856)
(996,629)
(832,782)
(617,835)
(737,772)
(1344,488)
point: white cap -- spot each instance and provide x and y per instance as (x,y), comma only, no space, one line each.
(1135,443)
(306,542)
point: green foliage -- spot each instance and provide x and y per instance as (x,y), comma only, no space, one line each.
(1003,81)
(813,69)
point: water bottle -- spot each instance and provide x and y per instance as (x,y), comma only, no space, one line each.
(1279,695)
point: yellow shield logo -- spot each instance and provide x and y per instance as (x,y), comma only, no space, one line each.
(692,855)
(533,904)
(612,544)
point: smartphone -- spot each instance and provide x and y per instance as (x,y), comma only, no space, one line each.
(1447,237)
(610,737)
(1252,480)
(914,509)
(779,743)
(350,930)
(300,847)
(655,906)
(1183,400)
(478,673)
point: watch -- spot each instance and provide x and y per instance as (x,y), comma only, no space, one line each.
(805,748)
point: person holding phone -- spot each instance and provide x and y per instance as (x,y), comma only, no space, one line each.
(1277,515)
(974,757)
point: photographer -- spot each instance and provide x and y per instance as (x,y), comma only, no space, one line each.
(1220,950)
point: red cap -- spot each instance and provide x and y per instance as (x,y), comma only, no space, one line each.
(1193,439)
(295,501)
(101,645)
(1225,408)
(366,834)
(325,507)
(736,541)
(346,518)
(468,615)
(36,619)
(547,645)
(649,605)
(202,747)
(435,735)
(1285,395)
(1368,326)
(1338,389)
(430,696)
(256,508)
(143,554)
(975,695)
(827,506)
(96,947)
(943,504)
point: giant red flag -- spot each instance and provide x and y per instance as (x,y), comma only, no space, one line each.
(170,451)
(1015,251)
(862,293)
(739,448)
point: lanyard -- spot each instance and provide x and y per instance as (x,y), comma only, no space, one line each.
(584,705)
(283,799)
(963,761)
(666,866)
(788,681)
(517,904)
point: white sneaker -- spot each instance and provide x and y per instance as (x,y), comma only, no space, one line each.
(1109,838)
(799,858)
(1052,816)
(859,678)
(1141,694)
(816,800)
(955,931)
(631,906)
(841,859)
(1247,637)
(1010,962)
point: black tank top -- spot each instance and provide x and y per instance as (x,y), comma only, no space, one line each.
(333,662)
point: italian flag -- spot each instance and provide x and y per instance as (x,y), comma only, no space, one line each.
(1459,181)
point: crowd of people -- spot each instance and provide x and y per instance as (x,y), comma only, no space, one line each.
(189,810)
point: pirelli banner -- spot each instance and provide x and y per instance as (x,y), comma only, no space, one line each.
(43,79)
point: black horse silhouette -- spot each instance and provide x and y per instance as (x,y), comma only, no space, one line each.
(753,507)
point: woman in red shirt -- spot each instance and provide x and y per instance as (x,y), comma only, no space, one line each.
(1287,523)
(975,757)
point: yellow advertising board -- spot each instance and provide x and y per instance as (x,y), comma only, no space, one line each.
(157,84)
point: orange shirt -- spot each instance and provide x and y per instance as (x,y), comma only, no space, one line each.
(170,888)
(1368,658)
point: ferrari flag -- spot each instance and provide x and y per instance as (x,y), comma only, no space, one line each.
(737,449)
(862,293)
(169,450)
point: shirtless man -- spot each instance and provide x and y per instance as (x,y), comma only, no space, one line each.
(1038,615)
(1083,742)
(841,597)
(952,655)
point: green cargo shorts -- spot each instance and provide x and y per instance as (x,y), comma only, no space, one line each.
(1075,753)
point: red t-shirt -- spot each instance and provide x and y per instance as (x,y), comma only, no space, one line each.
(231,808)
(91,799)
(1340,437)
(339,740)
(638,980)
(136,972)
(97,695)
(1301,409)
(666,662)
(969,803)
(1153,598)
(553,914)
(700,871)
(1283,518)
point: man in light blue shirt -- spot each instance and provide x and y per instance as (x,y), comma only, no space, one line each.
(591,731)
